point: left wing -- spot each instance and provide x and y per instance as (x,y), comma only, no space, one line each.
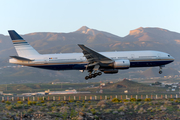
(94,57)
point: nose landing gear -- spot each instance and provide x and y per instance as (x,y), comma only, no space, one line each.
(160,72)
(160,69)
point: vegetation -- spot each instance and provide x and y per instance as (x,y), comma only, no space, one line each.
(112,108)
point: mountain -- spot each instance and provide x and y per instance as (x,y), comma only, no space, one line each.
(93,32)
(47,42)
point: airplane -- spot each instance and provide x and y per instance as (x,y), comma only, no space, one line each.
(92,61)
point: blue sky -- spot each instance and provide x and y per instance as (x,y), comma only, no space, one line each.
(115,16)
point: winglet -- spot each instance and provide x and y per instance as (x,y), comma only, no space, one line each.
(14,35)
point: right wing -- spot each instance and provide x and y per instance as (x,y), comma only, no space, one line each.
(94,57)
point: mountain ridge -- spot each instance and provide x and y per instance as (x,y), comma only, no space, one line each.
(50,42)
(138,39)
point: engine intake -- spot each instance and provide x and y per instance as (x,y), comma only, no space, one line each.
(122,64)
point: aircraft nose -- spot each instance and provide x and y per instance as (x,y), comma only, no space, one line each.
(172,58)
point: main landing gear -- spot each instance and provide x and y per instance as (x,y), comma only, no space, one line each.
(93,75)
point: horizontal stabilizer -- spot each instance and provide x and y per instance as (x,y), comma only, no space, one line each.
(21,58)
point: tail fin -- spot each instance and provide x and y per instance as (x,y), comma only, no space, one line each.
(22,47)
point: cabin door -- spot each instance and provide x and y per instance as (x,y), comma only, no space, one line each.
(132,56)
(159,56)
(46,60)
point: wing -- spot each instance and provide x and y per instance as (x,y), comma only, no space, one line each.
(94,57)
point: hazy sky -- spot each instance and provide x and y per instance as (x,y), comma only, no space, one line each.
(115,16)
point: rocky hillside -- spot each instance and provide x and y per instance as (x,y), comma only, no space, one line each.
(138,39)
(47,42)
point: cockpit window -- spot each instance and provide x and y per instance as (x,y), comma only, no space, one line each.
(168,55)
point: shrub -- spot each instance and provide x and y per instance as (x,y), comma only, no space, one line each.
(125,100)
(133,99)
(54,109)
(150,108)
(30,110)
(108,110)
(150,103)
(163,108)
(96,117)
(136,107)
(19,102)
(167,103)
(122,108)
(115,100)
(93,111)
(34,102)
(148,99)
(90,107)
(59,104)
(71,101)
(18,106)
(65,102)
(171,99)
(7,102)
(64,109)
(176,101)
(141,111)
(73,114)
(42,101)
(139,100)
(44,104)
(9,107)
(30,103)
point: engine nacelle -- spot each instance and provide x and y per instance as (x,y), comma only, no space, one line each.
(113,71)
(122,64)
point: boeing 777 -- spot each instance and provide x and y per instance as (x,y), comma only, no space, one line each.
(92,61)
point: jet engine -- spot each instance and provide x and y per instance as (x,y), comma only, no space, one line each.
(122,64)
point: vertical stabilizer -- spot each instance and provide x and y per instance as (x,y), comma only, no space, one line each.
(22,47)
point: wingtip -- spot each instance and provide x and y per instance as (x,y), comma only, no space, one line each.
(80,44)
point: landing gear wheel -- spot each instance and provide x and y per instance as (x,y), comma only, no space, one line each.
(93,75)
(90,76)
(99,73)
(160,72)
(86,77)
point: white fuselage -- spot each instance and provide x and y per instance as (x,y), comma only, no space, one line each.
(77,61)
